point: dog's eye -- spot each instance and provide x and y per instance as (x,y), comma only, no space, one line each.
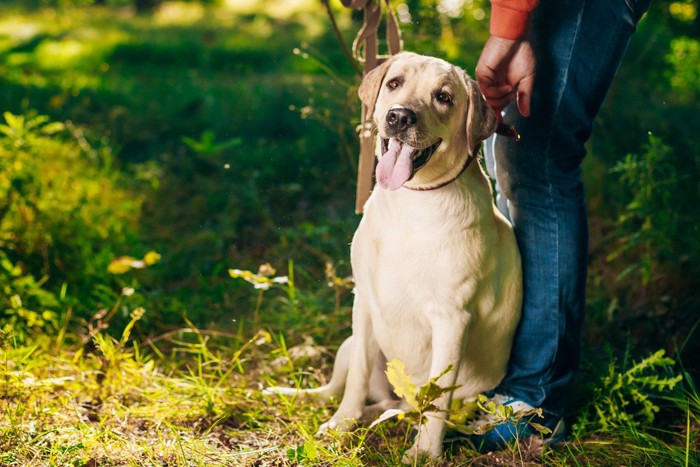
(444,97)
(393,84)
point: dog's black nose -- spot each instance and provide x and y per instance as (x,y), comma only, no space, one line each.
(400,118)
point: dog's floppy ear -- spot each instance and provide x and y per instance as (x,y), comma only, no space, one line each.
(481,121)
(371,83)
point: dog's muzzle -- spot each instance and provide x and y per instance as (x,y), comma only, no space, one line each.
(401,157)
(400,161)
(399,119)
(419,157)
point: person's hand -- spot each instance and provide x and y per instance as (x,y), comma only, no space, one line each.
(506,66)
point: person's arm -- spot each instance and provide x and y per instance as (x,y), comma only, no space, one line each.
(510,19)
(507,62)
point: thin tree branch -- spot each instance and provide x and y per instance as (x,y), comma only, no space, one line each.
(343,44)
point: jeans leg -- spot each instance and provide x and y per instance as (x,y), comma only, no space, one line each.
(579,45)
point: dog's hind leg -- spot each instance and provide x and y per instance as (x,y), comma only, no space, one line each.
(379,387)
(335,386)
(362,365)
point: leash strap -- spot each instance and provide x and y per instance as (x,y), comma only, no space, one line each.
(365,50)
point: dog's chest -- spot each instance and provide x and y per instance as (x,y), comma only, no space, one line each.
(414,255)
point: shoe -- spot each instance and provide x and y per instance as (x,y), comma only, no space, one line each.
(503,434)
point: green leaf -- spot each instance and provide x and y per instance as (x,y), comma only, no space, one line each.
(16,122)
(53,128)
(310,450)
(36,122)
(296,454)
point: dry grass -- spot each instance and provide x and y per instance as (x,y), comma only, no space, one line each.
(106,403)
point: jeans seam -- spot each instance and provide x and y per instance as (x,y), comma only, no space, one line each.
(559,98)
(550,192)
(631,6)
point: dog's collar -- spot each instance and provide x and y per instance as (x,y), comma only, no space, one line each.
(442,184)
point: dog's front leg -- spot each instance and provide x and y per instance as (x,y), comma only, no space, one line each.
(447,345)
(363,356)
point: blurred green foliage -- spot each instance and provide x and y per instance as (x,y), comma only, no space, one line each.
(27,308)
(63,217)
(649,223)
(641,174)
(222,135)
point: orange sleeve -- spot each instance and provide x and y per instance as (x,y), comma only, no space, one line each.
(510,19)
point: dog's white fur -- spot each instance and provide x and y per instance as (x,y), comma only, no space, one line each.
(438,278)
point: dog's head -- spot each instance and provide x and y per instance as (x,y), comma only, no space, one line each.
(430,117)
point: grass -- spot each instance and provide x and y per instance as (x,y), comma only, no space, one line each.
(108,402)
(105,396)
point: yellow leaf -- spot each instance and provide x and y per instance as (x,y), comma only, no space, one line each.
(238,273)
(121,265)
(403,387)
(151,258)
(541,428)
(125,263)
(16,301)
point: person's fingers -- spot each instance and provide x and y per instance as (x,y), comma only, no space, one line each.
(524,95)
(496,92)
(503,66)
(523,72)
(485,77)
(498,103)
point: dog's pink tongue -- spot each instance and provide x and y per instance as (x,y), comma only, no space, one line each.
(395,166)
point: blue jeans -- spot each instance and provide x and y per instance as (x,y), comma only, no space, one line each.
(579,45)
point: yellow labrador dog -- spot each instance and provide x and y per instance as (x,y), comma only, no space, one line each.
(436,266)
